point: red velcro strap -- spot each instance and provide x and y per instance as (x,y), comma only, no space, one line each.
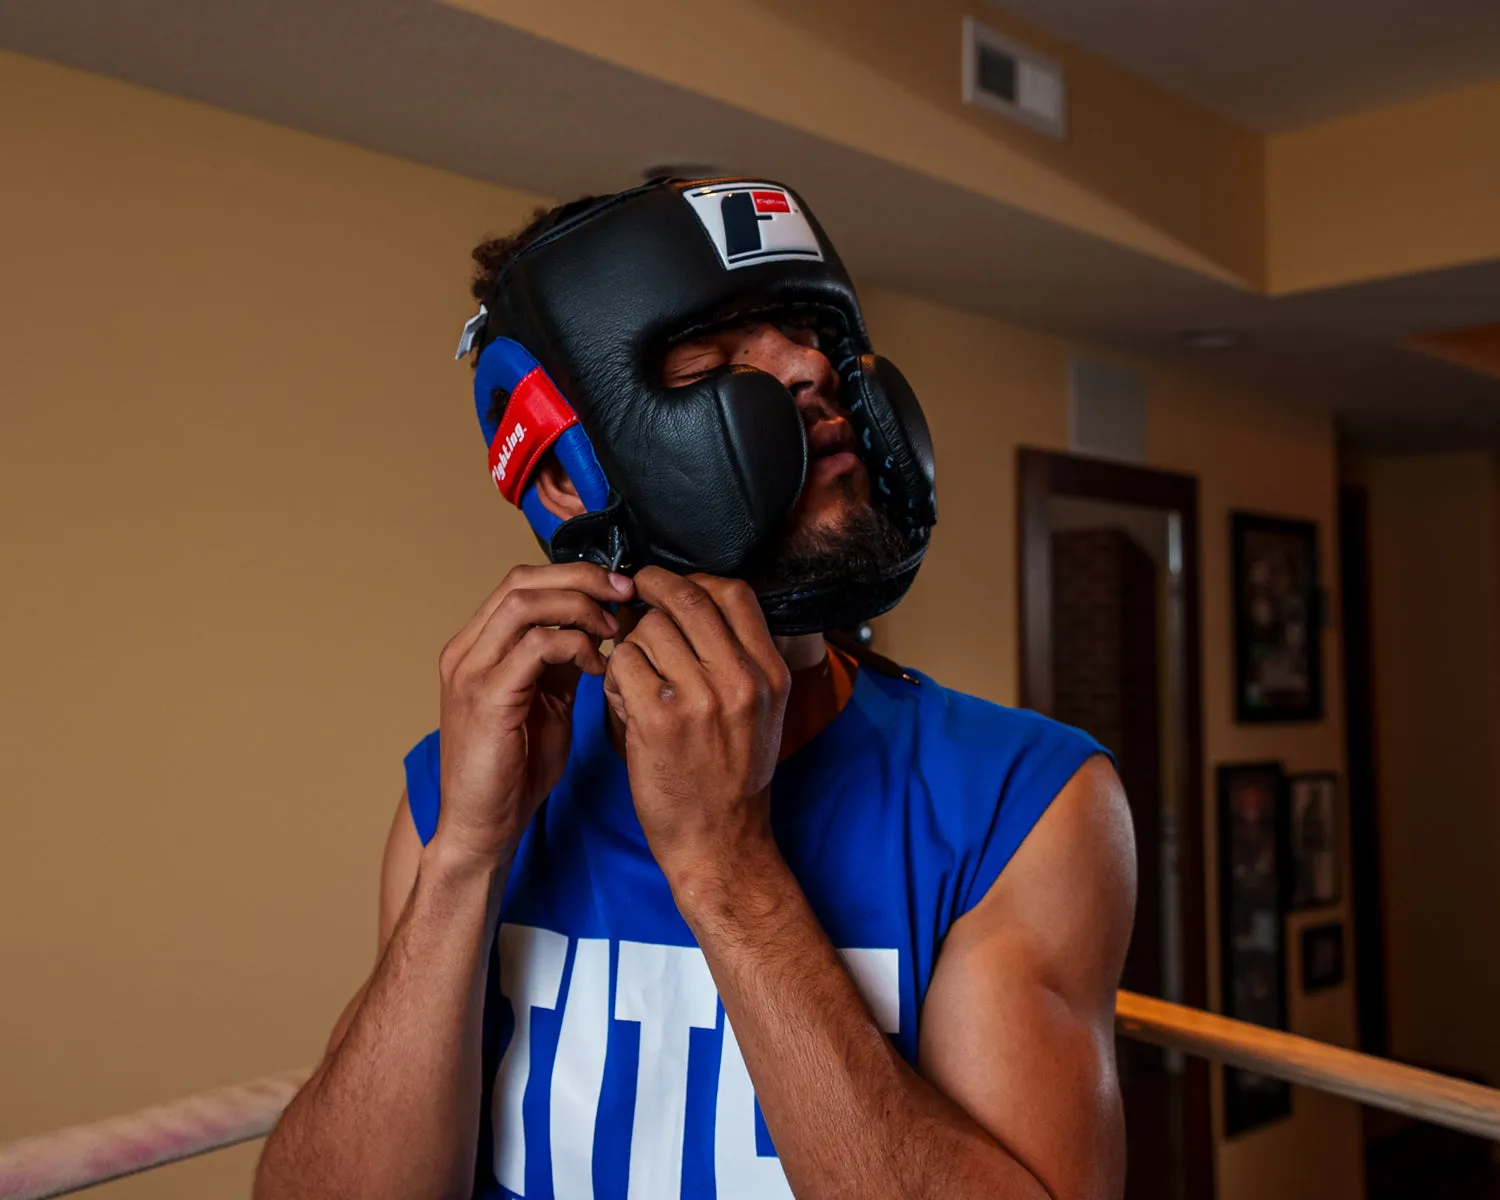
(536,416)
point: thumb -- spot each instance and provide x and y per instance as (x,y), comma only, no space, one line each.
(613,697)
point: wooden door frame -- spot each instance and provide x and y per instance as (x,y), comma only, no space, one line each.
(1044,473)
(1360,734)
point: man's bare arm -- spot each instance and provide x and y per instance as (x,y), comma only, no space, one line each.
(1018,1026)
(701,691)
(1017,1096)
(393,1109)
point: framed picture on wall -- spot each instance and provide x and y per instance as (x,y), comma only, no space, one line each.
(1277,661)
(1322,956)
(1314,876)
(1251,929)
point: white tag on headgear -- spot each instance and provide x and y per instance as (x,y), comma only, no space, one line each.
(473,327)
(752,223)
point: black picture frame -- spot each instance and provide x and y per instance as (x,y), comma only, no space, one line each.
(1278,659)
(1314,830)
(1252,956)
(1322,953)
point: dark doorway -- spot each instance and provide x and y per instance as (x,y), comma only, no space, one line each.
(1109,642)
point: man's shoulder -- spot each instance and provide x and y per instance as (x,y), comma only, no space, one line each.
(974,723)
(982,773)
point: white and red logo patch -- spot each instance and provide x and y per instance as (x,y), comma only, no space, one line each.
(754,223)
(771,202)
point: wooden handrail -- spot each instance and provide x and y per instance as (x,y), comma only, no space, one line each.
(1377,1082)
(54,1163)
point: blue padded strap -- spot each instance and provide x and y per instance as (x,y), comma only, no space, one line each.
(576,453)
(503,364)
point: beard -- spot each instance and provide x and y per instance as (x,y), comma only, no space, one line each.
(864,547)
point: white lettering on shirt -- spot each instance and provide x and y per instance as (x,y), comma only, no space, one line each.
(578,1076)
(667,991)
(531,971)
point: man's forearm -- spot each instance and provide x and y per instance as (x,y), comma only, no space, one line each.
(848,1116)
(393,1111)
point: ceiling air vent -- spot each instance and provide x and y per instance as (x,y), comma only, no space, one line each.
(1013,80)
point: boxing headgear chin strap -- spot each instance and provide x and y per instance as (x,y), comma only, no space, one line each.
(701,477)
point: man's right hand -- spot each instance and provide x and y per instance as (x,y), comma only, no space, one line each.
(407,1052)
(508,681)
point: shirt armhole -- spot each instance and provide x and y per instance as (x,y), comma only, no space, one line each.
(1033,782)
(422,795)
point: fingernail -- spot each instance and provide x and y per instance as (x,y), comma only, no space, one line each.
(611,622)
(621,583)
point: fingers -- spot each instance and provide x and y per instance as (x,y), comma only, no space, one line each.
(521,611)
(736,600)
(693,611)
(537,650)
(632,682)
(728,665)
(665,645)
(586,578)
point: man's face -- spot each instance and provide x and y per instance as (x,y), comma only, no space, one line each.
(834,534)
(837,489)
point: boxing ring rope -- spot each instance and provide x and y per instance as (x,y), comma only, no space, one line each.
(79,1156)
(54,1163)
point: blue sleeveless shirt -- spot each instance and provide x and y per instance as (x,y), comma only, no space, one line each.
(610,1072)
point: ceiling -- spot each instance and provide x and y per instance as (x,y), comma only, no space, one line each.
(1274,65)
(438,86)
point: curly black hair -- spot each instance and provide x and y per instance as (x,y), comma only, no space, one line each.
(492,254)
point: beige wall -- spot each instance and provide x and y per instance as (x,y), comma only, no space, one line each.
(1434,540)
(245,509)
(1393,191)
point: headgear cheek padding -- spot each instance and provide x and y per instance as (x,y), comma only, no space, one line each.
(896,445)
(751,457)
(701,477)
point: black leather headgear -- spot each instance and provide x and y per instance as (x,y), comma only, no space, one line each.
(703,476)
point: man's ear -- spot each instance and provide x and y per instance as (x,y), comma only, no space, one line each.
(556,490)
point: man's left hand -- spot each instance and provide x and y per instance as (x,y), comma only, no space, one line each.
(701,690)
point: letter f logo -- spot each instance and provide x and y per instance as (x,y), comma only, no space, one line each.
(741,223)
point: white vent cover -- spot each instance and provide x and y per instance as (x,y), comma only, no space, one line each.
(1013,80)
(1106,410)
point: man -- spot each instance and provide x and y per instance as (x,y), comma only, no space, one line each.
(728,912)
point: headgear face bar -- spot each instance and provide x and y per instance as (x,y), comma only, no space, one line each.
(704,476)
